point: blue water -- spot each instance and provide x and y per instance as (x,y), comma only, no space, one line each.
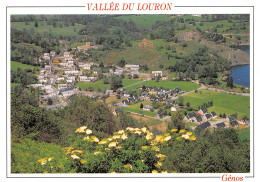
(241,73)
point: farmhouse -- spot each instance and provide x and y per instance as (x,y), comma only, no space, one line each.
(233,123)
(203,111)
(198,118)
(220,125)
(190,116)
(87,46)
(203,126)
(207,116)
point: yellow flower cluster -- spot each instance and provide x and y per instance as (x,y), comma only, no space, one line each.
(81,129)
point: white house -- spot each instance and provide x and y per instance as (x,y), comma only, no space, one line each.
(147,108)
(132,67)
(157,73)
(67,93)
(173,109)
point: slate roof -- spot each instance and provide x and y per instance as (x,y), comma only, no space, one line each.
(234,123)
(213,113)
(203,125)
(198,118)
(208,116)
(221,125)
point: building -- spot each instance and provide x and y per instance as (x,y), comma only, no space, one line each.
(157,73)
(220,125)
(44,99)
(132,67)
(85,66)
(145,43)
(203,111)
(66,54)
(147,108)
(173,109)
(203,126)
(72,72)
(87,46)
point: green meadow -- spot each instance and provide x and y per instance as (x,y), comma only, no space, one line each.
(184,85)
(222,102)
(136,108)
(244,134)
(16,65)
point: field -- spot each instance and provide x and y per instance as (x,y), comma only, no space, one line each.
(16,65)
(100,85)
(43,27)
(185,86)
(244,134)
(144,21)
(223,103)
(136,108)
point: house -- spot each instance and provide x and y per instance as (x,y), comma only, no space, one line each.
(109,91)
(203,126)
(189,116)
(125,94)
(119,72)
(55,62)
(245,120)
(46,56)
(198,118)
(47,69)
(66,54)
(65,89)
(125,101)
(85,66)
(134,73)
(116,111)
(52,53)
(60,86)
(147,108)
(44,99)
(213,114)
(71,72)
(207,116)
(233,123)
(159,114)
(173,109)
(203,111)
(157,73)
(87,46)
(132,67)
(220,125)
(67,93)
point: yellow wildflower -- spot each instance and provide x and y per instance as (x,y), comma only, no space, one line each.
(189,133)
(88,131)
(138,132)
(130,129)
(167,138)
(160,155)
(81,129)
(83,161)
(86,138)
(43,161)
(158,138)
(182,131)
(113,172)
(193,138)
(94,139)
(119,147)
(116,136)
(154,148)
(124,137)
(143,129)
(128,166)
(167,134)
(185,136)
(76,151)
(107,148)
(68,149)
(97,153)
(149,136)
(112,144)
(109,139)
(144,147)
(102,142)
(154,171)
(174,130)
(164,172)
(50,159)
(158,164)
(74,156)
(121,132)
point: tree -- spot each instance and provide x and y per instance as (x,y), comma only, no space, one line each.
(177,120)
(116,82)
(49,102)
(121,63)
(141,106)
(188,104)
(181,101)
(230,82)
(36,24)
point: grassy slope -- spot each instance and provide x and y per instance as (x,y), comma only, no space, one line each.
(223,103)
(185,86)
(244,134)
(43,27)
(16,65)
(144,21)
(136,108)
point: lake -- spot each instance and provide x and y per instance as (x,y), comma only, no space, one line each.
(241,73)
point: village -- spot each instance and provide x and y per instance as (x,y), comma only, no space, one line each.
(61,72)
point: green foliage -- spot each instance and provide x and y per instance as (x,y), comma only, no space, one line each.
(177,120)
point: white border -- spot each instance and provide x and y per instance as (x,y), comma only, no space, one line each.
(190,10)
